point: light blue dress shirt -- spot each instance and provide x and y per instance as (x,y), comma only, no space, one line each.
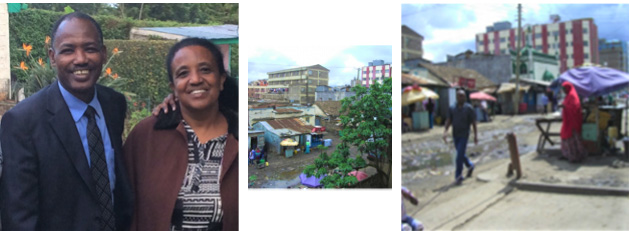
(77,109)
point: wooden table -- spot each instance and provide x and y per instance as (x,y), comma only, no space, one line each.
(545,133)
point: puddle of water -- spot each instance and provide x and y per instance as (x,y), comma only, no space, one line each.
(289,174)
(420,162)
(284,179)
(435,153)
(281,183)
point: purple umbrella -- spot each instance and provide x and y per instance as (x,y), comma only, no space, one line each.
(311,181)
(596,81)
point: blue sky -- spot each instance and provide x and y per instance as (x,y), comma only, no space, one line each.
(449,29)
(342,60)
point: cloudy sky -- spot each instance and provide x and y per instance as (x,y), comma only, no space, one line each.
(451,29)
(342,61)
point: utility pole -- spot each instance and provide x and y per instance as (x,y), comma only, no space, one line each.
(516,95)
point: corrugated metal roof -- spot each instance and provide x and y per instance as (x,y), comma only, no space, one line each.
(332,108)
(452,74)
(292,124)
(206,32)
(286,110)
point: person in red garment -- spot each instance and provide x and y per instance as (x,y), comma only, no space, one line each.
(571,145)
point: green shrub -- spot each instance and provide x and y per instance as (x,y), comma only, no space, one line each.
(143,66)
(31,26)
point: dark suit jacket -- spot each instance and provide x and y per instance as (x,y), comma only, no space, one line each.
(46,182)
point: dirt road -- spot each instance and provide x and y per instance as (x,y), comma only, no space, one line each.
(490,200)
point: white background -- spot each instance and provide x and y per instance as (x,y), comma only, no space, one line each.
(335,22)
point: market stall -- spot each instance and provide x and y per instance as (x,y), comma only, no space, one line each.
(289,146)
(602,123)
(413,94)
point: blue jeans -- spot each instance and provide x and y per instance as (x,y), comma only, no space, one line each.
(431,117)
(460,143)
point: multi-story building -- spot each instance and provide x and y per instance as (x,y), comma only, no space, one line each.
(257,88)
(303,79)
(411,44)
(613,54)
(325,93)
(573,42)
(375,72)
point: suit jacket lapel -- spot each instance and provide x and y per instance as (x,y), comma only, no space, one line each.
(65,128)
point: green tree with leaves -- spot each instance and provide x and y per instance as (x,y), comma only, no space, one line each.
(366,125)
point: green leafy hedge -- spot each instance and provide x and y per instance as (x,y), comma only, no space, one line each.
(31,26)
(142,64)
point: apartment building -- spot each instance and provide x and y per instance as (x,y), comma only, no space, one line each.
(375,72)
(613,54)
(574,42)
(302,79)
(411,44)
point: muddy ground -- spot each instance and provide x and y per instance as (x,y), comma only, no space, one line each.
(488,201)
(425,155)
(284,172)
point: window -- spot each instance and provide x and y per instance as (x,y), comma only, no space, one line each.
(309,72)
(585,30)
(503,40)
(538,35)
(538,47)
(586,56)
(585,43)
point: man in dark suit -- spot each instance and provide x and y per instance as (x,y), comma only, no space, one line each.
(62,146)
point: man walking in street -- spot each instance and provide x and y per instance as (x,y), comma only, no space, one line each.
(461,116)
(62,146)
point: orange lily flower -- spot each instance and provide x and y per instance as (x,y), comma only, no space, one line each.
(23,66)
(41,62)
(108,71)
(47,39)
(115,76)
(115,50)
(27,48)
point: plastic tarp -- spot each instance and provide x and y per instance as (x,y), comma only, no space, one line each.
(595,81)
(311,181)
(360,176)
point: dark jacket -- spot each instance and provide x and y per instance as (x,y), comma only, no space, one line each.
(46,181)
(157,155)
